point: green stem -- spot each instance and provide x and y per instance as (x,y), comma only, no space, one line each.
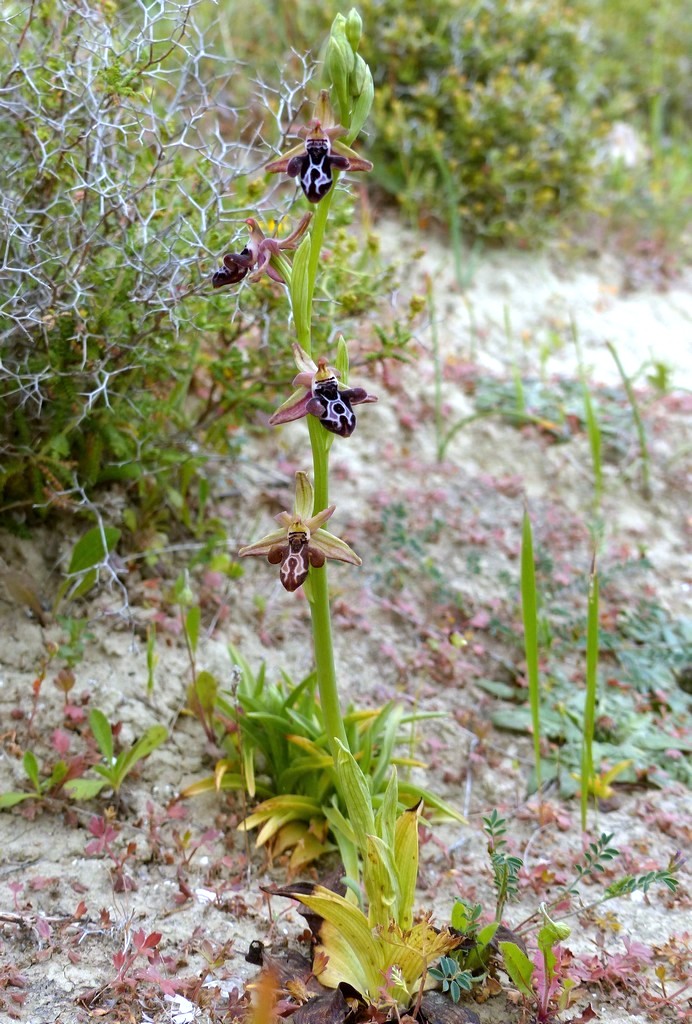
(319,223)
(319,587)
(319,602)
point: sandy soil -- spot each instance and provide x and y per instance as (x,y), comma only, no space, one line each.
(440,543)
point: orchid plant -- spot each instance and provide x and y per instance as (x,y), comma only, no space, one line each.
(383,946)
(301,546)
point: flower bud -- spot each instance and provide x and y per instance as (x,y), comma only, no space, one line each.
(354,28)
(339,62)
(361,108)
(358,77)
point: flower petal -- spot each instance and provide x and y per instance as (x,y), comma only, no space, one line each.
(334,547)
(317,557)
(285,519)
(358,396)
(256,238)
(305,497)
(277,554)
(291,241)
(303,360)
(264,545)
(320,519)
(293,409)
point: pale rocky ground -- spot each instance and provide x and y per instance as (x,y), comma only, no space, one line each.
(376,653)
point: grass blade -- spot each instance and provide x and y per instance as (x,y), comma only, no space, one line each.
(591,692)
(638,421)
(529,610)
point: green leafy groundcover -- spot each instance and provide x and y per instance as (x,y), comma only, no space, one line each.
(643,713)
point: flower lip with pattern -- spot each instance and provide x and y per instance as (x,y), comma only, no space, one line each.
(319,395)
(257,253)
(301,542)
(313,160)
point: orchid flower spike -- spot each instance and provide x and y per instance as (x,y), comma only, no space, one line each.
(314,159)
(301,542)
(319,395)
(257,253)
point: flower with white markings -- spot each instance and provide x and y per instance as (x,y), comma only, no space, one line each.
(301,542)
(313,160)
(319,394)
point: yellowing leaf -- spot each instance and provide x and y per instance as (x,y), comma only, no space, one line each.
(348,943)
(356,794)
(406,860)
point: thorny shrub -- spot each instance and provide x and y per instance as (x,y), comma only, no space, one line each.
(128,165)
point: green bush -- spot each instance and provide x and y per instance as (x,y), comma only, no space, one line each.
(482,106)
(643,62)
(128,169)
(482,109)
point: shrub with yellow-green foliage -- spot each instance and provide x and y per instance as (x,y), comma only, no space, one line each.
(481,105)
(643,61)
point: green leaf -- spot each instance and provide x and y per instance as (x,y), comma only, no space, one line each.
(356,794)
(477,957)
(354,954)
(339,824)
(385,820)
(144,746)
(300,292)
(379,876)
(13,798)
(192,623)
(529,610)
(519,968)
(55,778)
(84,789)
(587,764)
(247,756)
(103,734)
(206,689)
(89,551)
(362,106)
(31,768)
(548,937)
(502,690)
(406,861)
(461,919)
(82,587)
(341,362)
(152,656)
(411,793)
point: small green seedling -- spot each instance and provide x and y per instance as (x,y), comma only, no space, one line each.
(466,920)
(42,787)
(114,770)
(542,984)
(454,979)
